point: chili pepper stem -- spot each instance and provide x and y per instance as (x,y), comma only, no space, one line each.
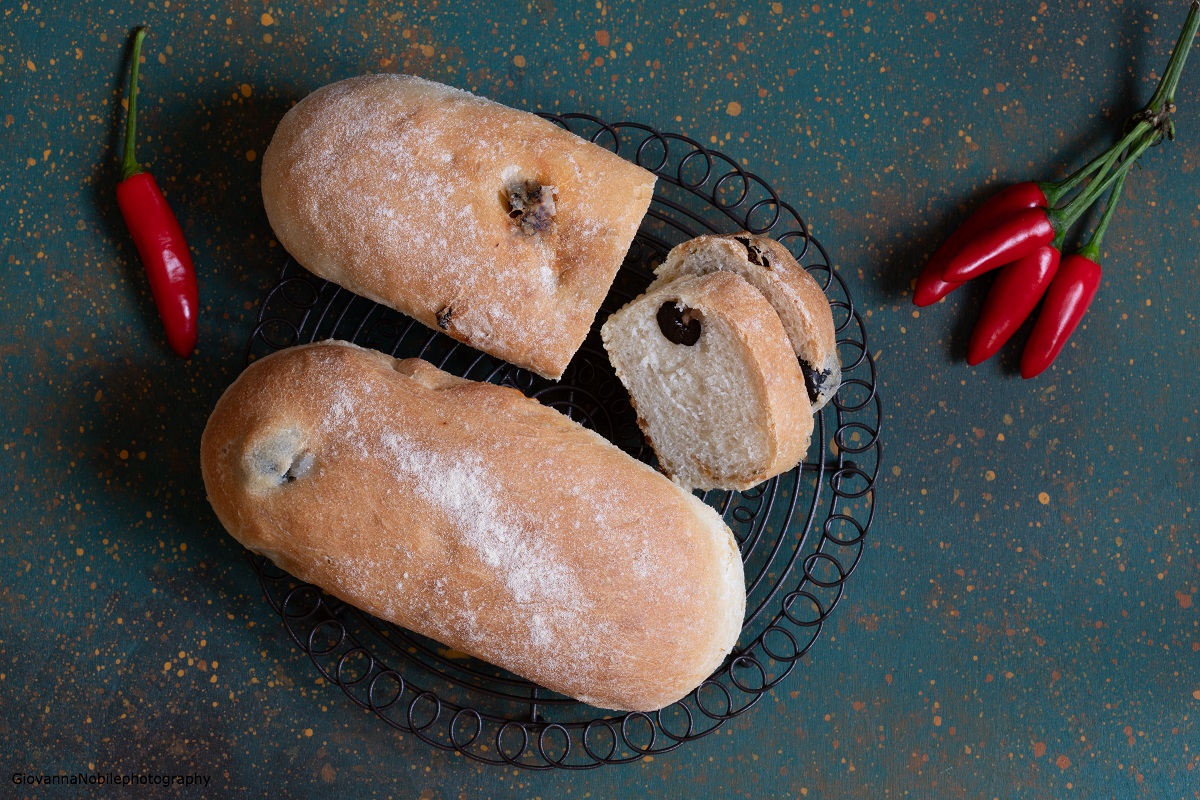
(129,163)
(1165,93)
(1063,218)
(1057,191)
(1091,250)
(1154,118)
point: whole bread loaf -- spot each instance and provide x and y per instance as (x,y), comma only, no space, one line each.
(491,224)
(478,517)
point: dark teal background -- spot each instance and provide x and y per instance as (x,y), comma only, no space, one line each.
(1025,620)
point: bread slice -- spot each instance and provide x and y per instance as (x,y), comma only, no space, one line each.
(796,296)
(717,388)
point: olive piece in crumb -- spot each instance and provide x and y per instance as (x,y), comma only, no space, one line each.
(753,254)
(678,323)
(814,379)
(530,205)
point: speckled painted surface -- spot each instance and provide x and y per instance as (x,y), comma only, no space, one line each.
(1025,622)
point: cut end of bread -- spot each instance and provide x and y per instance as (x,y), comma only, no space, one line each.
(718,392)
(794,294)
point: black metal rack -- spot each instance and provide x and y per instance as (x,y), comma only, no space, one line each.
(801,534)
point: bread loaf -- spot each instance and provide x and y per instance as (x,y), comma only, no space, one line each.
(488,223)
(795,295)
(717,389)
(475,516)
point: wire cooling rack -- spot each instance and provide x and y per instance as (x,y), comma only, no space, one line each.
(801,534)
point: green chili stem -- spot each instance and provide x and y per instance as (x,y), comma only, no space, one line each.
(1057,191)
(1063,218)
(1091,250)
(129,163)
(1165,93)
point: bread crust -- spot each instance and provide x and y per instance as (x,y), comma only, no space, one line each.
(475,516)
(796,296)
(778,389)
(401,190)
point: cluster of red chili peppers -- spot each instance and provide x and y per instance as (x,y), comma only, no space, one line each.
(157,234)
(1022,229)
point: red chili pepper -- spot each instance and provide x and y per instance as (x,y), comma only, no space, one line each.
(1067,299)
(1020,196)
(1008,240)
(157,235)
(1012,298)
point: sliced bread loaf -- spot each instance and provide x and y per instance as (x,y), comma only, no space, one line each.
(717,388)
(795,295)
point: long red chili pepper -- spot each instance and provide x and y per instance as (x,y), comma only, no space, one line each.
(1068,298)
(1069,295)
(1012,238)
(1020,196)
(157,234)
(1010,301)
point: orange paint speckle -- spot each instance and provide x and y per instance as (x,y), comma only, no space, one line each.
(930,17)
(602,38)
(1185,600)
(1063,762)
(266,19)
(245,90)
(734,108)
(519,61)
(858,705)
(251,155)
(1044,498)
(1039,749)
